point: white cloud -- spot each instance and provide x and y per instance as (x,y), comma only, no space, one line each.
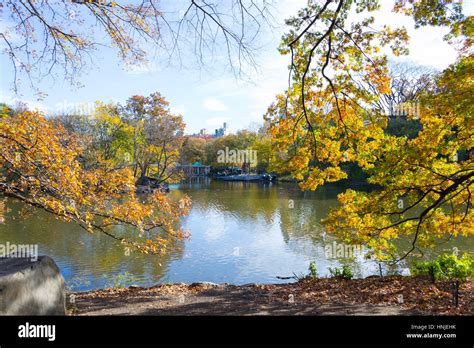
(178,109)
(31,104)
(426,44)
(213,104)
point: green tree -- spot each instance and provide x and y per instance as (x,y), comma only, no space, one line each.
(194,150)
(263,146)
(157,136)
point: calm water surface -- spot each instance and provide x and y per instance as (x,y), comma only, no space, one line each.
(240,233)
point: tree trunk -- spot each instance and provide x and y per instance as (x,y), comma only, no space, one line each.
(456,293)
(432,274)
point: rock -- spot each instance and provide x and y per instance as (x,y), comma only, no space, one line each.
(143,189)
(31,287)
(145,184)
(406,272)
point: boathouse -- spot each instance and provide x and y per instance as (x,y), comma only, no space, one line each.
(195,169)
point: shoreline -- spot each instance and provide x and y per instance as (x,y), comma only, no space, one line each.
(391,295)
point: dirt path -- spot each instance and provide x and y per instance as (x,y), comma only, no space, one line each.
(218,300)
(307,297)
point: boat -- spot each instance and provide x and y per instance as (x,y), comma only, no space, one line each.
(248,177)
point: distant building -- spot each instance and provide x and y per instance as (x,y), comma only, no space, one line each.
(221,132)
(195,169)
(203,134)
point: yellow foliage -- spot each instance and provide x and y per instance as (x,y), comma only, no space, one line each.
(40,167)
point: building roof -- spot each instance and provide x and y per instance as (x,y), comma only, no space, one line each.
(195,164)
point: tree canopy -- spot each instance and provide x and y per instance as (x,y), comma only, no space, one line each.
(333,113)
(77,178)
(336,111)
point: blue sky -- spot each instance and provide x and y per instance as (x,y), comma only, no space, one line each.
(209,96)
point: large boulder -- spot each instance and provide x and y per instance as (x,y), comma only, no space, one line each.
(30,287)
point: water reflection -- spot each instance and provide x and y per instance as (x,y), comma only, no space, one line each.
(86,260)
(241,233)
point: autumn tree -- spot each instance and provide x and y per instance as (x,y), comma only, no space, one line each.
(407,83)
(81,179)
(111,138)
(263,147)
(104,137)
(242,140)
(142,134)
(157,136)
(39,166)
(332,114)
(193,150)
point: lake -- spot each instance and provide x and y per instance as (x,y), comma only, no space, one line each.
(240,233)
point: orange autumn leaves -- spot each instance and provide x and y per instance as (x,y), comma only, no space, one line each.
(332,119)
(41,166)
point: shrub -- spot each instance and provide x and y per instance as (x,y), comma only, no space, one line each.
(447,267)
(345,273)
(313,271)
